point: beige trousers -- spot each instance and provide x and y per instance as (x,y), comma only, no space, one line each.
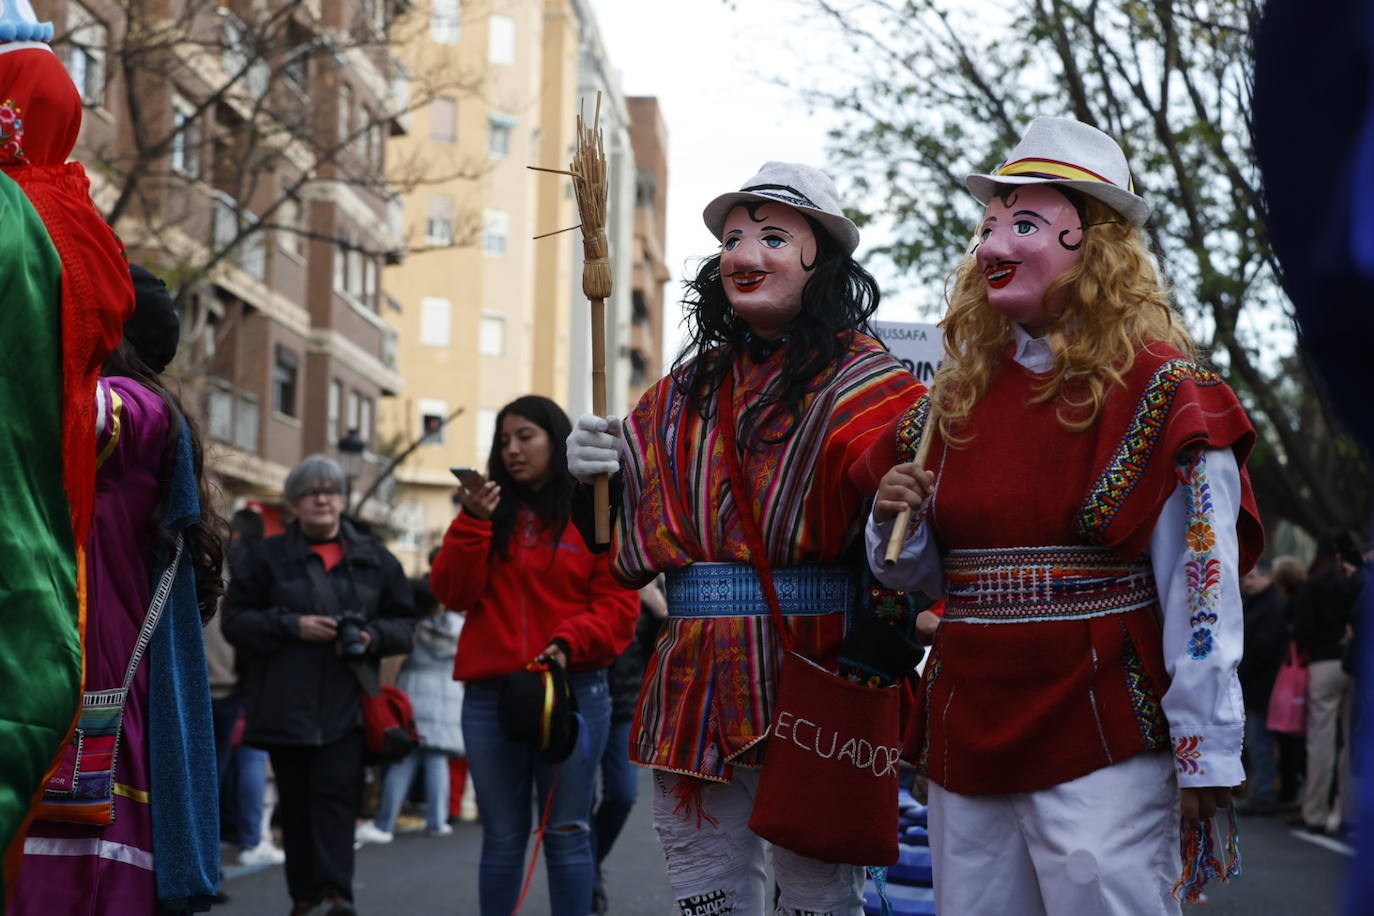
(1328,705)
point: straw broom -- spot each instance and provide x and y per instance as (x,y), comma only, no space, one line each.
(588,172)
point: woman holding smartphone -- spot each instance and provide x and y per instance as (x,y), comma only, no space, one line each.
(534,593)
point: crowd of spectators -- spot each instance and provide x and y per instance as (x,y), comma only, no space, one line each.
(1304,617)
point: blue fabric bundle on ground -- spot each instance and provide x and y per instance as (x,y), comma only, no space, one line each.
(907,885)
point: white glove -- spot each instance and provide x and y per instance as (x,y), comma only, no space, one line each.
(593,447)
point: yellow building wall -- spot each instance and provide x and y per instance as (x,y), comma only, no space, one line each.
(554,305)
(526,289)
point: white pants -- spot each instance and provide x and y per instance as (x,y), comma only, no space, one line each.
(719,869)
(1105,844)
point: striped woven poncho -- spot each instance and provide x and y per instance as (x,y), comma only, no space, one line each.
(707,699)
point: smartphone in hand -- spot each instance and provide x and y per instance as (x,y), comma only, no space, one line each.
(470,478)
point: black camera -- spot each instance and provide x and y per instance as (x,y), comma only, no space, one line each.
(350,634)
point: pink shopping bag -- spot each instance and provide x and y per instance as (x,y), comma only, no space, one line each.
(1288,701)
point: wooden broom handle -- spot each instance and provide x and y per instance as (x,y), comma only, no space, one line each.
(898,535)
(601,486)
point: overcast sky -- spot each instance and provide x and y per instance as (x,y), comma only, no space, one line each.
(706,61)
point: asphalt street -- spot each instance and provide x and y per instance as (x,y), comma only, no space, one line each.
(1285,874)
(416,875)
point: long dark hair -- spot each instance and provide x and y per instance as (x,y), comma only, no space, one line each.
(205,538)
(552,502)
(838,299)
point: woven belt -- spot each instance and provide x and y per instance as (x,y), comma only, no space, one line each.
(1043,583)
(732,590)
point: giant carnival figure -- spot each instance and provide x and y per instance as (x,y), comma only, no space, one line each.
(67,293)
(1323,235)
(1086,512)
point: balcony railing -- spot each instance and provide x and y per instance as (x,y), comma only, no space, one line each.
(398,98)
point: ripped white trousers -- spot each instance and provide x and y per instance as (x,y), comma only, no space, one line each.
(1105,843)
(719,869)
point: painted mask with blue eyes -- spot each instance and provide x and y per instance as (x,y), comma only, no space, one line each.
(767,253)
(1030,235)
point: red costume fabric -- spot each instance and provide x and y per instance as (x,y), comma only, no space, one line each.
(40,117)
(708,694)
(1021,706)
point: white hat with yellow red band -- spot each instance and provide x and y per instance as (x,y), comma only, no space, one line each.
(1066,152)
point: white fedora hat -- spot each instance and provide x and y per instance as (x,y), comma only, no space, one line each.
(801,186)
(1066,152)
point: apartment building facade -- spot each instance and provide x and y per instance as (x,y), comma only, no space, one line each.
(239,150)
(486,312)
(597,76)
(649,139)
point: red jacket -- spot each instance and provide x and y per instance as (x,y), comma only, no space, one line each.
(516,606)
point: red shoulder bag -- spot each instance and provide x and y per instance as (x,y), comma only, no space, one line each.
(828,789)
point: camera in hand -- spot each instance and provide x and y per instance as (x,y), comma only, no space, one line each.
(350,634)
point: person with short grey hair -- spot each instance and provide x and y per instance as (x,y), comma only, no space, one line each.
(313,472)
(316,608)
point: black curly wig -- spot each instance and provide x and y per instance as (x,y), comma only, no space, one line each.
(837,301)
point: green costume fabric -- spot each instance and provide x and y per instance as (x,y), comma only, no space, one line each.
(40,646)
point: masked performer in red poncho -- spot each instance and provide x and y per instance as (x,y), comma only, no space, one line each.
(1087,515)
(779,327)
(67,294)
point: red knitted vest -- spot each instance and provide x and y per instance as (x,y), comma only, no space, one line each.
(1011,707)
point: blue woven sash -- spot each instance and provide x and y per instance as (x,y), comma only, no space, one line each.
(732,590)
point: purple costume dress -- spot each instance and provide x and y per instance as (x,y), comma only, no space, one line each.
(78,870)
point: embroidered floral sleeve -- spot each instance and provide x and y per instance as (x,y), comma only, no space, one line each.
(11,133)
(1196,559)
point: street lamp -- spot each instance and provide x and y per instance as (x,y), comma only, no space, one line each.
(351,449)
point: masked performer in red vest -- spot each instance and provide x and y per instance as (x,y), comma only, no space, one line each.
(67,294)
(779,323)
(1087,515)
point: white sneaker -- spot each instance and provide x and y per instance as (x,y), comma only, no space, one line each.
(441,830)
(369,832)
(262,854)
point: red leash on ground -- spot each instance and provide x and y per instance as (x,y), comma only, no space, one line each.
(538,841)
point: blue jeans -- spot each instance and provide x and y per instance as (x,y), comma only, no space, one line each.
(252,767)
(1264,764)
(225,714)
(511,782)
(619,787)
(396,786)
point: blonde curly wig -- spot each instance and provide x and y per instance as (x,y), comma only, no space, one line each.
(1116,303)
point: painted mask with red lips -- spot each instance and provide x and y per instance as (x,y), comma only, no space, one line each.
(767,253)
(1028,238)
